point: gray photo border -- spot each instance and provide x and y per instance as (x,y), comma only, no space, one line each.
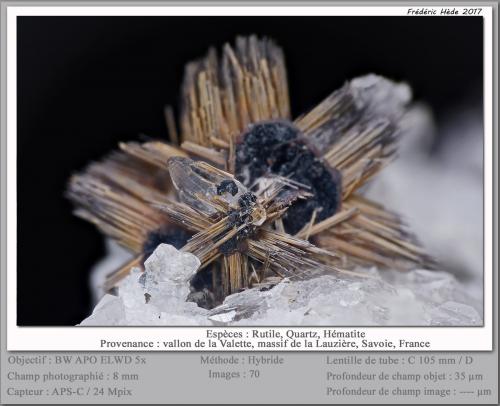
(490,364)
(263,3)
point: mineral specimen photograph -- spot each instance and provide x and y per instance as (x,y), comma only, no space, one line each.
(250,171)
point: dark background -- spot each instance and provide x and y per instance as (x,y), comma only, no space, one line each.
(86,83)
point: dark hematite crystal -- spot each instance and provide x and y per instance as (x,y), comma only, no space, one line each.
(165,235)
(238,217)
(278,147)
(227,186)
(246,200)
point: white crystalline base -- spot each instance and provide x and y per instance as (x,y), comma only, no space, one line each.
(414,298)
(417,297)
(155,297)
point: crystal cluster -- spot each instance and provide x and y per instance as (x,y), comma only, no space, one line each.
(158,297)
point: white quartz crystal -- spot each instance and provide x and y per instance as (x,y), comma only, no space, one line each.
(156,296)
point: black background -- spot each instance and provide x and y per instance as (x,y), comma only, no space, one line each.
(86,83)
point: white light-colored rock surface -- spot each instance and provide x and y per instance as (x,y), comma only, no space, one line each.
(158,297)
(418,297)
(440,195)
(115,258)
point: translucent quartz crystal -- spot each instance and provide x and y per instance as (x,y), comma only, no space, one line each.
(154,297)
(192,180)
(158,297)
